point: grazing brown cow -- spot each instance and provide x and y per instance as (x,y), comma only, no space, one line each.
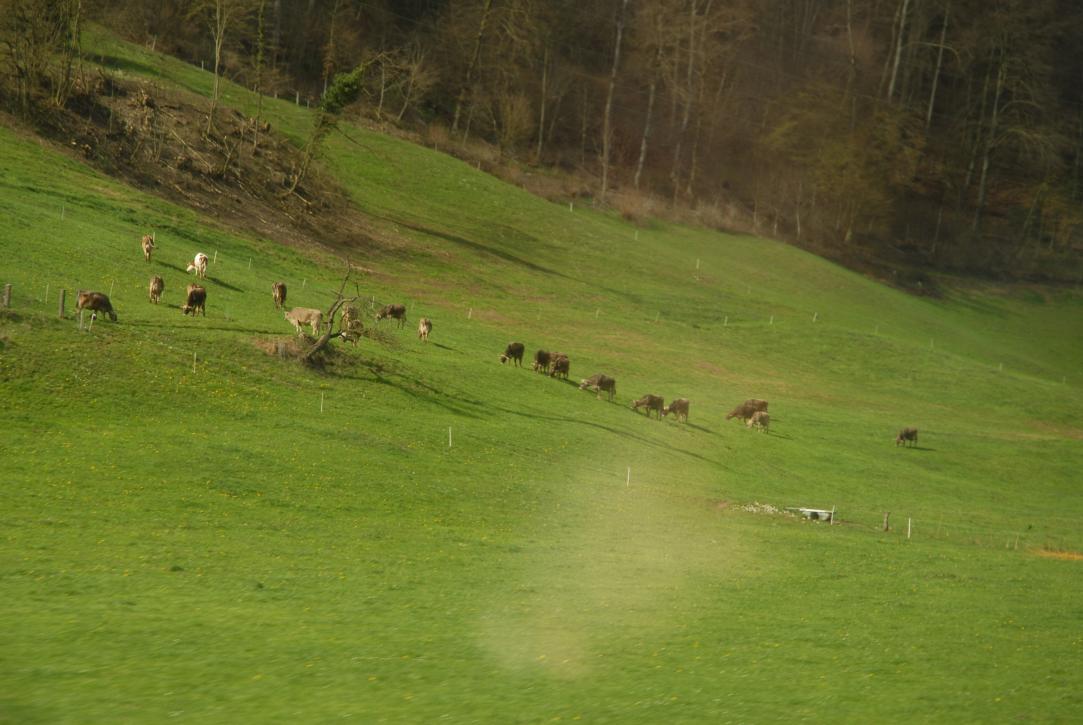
(678,407)
(514,351)
(907,437)
(278,293)
(747,409)
(395,312)
(195,300)
(424,328)
(148,246)
(598,383)
(155,288)
(95,302)
(542,360)
(561,366)
(760,421)
(650,402)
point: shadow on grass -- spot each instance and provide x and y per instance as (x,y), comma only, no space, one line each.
(125,64)
(477,247)
(180,325)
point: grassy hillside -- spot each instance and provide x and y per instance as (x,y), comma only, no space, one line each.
(193,537)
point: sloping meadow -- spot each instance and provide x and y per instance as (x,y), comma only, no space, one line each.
(193,527)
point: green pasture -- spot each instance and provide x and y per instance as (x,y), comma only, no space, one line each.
(185,534)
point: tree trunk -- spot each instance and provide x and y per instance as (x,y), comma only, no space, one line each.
(675,172)
(219,32)
(606,116)
(978,134)
(468,81)
(259,71)
(939,62)
(542,100)
(990,142)
(898,48)
(647,122)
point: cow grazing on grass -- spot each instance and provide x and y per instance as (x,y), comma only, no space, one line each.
(195,300)
(395,312)
(679,408)
(650,402)
(907,437)
(747,409)
(155,289)
(760,421)
(148,246)
(199,265)
(598,383)
(95,302)
(301,316)
(514,351)
(424,328)
(352,326)
(561,365)
(278,293)
(542,360)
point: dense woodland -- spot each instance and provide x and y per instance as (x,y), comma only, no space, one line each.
(918,133)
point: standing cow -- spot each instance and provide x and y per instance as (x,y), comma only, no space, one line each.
(679,408)
(514,351)
(195,300)
(278,293)
(395,312)
(199,265)
(95,302)
(598,383)
(907,437)
(155,288)
(148,246)
(424,328)
(650,402)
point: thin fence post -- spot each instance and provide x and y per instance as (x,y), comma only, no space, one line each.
(321,401)
(449,436)
(46,300)
(628,478)
(7,295)
(193,361)
(887,515)
(909,521)
(60,305)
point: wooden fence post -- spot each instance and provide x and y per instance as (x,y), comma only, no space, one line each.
(887,514)
(7,295)
(60,305)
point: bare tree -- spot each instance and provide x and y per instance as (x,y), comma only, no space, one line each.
(607,133)
(472,66)
(339,303)
(220,16)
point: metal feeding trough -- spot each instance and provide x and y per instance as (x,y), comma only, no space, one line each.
(814,514)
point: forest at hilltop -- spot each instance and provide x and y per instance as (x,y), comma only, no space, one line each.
(901,134)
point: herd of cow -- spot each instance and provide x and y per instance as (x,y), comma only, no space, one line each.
(753,412)
(557,364)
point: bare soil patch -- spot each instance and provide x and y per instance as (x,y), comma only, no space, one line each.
(238,173)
